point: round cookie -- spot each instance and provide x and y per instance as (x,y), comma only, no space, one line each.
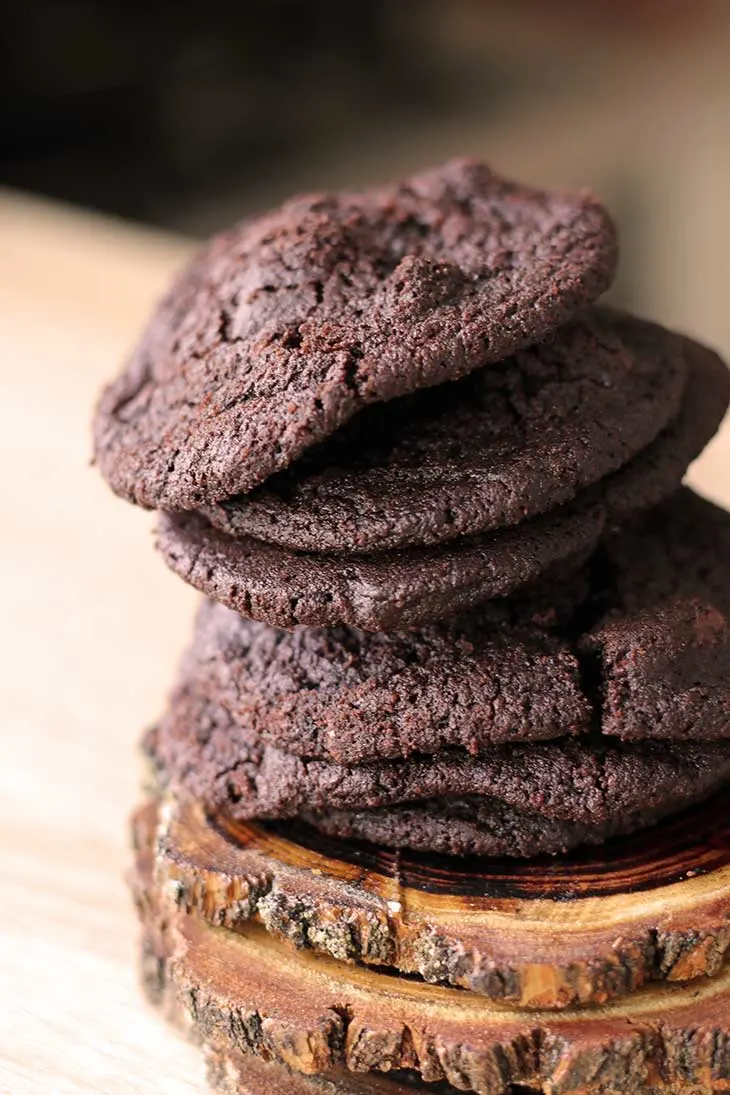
(493,675)
(475,826)
(284,327)
(396,589)
(374,592)
(651,476)
(198,749)
(636,644)
(500,446)
(661,647)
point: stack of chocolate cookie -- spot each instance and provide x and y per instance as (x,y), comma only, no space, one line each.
(457,605)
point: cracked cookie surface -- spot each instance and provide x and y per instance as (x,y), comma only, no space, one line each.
(376,592)
(390,590)
(636,644)
(500,446)
(492,675)
(282,328)
(197,749)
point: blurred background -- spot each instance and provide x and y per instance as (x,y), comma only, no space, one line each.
(127,129)
(188,115)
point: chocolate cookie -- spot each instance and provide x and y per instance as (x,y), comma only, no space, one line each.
(504,444)
(397,589)
(479,826)
(199,749)
(492,675)
(661,650)
(635,644)
(654,474)
(374,592)
(282,328)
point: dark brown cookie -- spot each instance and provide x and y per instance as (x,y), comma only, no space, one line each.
(397,589)
(199,749)
(660,653)
(636,644)
(504,444)
(285,326)
(350,696)
(654,474)
(477,826)
(374,592)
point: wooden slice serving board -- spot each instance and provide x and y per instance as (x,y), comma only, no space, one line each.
(247,990)
(549,933)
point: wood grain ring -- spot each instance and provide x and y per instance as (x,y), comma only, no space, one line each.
(550,933)
(250,992)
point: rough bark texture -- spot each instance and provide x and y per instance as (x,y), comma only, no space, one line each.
(246,992)
(235,1073)
(504,939)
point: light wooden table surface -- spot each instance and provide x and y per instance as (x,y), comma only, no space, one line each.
(93,624)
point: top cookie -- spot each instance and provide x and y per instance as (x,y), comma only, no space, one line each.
(504,444)
(281,329)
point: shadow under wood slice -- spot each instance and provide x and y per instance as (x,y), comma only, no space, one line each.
(235,1073)
(551,933)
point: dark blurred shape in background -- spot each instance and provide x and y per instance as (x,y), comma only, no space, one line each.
(139,108)
(188,115)
(145,108)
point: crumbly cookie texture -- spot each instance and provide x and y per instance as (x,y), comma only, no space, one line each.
(198,750)
(635,644)
(500,446)
(282,328)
